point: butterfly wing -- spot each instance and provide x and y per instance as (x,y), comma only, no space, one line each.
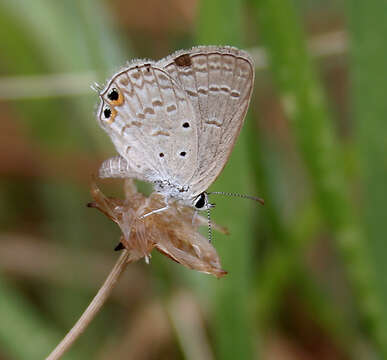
(152,124)
(218,82)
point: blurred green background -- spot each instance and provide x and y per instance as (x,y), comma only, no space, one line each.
(307,272)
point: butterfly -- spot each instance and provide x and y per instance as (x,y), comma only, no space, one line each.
(174,122)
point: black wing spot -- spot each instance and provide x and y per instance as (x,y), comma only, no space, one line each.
(186,125)
(183,153)
(113,95)
(107,113)
(161,155)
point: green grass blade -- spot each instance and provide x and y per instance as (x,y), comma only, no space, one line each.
(368,62)
(283,264)
(304,104)
(220,23)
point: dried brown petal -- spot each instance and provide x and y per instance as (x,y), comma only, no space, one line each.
(173,232)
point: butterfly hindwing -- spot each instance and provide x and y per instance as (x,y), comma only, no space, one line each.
(219,83)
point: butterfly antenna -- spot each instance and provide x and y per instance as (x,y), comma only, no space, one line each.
(209,226)
(260,200)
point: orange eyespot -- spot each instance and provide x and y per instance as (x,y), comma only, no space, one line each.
(115,97)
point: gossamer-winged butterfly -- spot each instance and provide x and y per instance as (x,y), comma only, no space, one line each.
(174,122)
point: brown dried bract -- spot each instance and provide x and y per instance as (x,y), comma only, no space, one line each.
(173,232)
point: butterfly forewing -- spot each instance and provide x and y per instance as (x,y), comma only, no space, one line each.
(219,83)
(152,124)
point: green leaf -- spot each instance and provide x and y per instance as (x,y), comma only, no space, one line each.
(220,22)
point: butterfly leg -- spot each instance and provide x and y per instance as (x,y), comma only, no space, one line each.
(194,217)
(154,212)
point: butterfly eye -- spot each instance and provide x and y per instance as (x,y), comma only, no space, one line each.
(200,201)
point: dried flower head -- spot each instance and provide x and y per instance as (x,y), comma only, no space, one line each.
(173,232)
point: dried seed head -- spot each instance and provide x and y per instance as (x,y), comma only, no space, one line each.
(173,232)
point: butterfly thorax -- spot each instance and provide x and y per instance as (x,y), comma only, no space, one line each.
(183,194)
(173,190)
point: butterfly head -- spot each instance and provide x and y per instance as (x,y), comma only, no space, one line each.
(201,202)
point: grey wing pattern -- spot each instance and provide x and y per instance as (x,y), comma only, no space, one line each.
(219,82)
(152,124)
